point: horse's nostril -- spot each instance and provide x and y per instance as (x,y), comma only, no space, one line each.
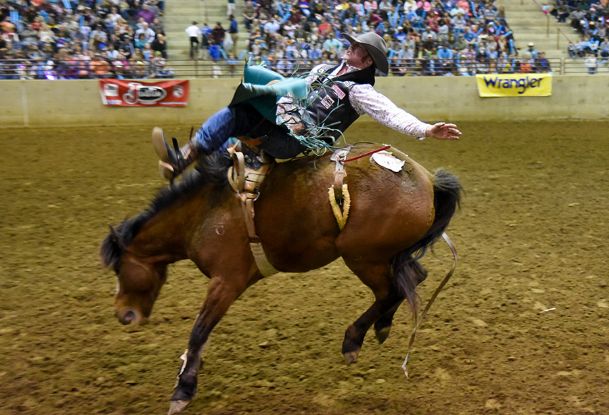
(128,317)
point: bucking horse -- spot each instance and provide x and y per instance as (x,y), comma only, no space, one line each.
(386,219)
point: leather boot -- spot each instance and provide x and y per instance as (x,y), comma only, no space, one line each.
(172,162)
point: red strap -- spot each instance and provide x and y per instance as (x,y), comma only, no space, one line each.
(367,154)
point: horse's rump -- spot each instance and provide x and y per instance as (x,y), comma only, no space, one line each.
(389,211)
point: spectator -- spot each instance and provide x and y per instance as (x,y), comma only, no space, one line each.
(148,33)
(525,64)
(192,32)
(205,39)
(233,30)
(147,13)
(604,51)
(140,42)
(272,26)
(230,8)
(542,64)
(332,45)
(591,63)
(159,67)
(532,51)
(100,67)
(217,34)
(160,45)
(445,56)
(249,13)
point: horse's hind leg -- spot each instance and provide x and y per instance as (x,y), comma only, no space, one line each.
(377,276)
(382,326)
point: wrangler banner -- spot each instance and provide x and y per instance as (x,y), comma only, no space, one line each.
(514,85)
(131,93)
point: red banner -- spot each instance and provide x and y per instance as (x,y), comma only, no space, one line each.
(132,93)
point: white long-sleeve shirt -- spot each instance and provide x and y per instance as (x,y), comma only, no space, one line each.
(367,100)
(193,31)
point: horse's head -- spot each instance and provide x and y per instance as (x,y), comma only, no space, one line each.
(139,280)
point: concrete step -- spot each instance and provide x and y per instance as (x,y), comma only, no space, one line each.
(520,14)
(200,10)
(578,66)
(180,38)
(177,26)
(532,36)
(532,22)
(526,8)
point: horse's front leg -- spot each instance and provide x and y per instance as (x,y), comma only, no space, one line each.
(220,295)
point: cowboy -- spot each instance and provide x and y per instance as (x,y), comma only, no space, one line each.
(335,97)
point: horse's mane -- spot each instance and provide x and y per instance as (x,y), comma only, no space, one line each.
(210,170)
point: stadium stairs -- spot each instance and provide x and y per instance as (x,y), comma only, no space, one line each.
(529,24)
(179,14)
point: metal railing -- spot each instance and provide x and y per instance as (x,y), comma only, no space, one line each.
(559,33)
(49,70)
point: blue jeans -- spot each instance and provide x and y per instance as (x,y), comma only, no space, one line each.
(244,120)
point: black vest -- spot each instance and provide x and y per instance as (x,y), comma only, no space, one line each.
(329,111)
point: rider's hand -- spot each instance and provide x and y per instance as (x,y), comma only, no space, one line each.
(444,131)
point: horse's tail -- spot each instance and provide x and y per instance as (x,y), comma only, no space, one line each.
(407,271)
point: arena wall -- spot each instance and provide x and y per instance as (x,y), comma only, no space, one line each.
(68,103)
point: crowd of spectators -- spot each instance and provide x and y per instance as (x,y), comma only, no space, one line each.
(590,20)
(80,39)
(439,37)
(66,39)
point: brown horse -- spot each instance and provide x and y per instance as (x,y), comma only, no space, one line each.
(392,219)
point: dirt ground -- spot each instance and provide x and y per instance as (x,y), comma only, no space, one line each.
(522,328)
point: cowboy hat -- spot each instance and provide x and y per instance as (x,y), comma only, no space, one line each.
(376,47)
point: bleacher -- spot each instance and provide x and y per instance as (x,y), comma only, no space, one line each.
(529,21)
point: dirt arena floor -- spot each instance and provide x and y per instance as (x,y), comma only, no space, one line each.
(522,328)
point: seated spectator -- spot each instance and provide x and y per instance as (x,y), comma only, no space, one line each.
(332,45)
(145,30)
(159,67)
(591,63)
(160,45)
(100,68)
(55,25)
(445,59)
(148,13)
(542,64)
(140,68)
(604,51)
(525,64)
(249,13)
(3,47)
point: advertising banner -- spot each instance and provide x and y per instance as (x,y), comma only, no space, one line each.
(514,85)
(132,93)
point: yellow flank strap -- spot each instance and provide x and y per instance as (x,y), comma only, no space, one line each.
(340,215)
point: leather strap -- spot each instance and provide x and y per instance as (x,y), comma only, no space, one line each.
(339,190)
(246,183)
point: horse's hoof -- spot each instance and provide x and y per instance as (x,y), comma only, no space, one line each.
(351,357)
(382,334)
(176,407)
